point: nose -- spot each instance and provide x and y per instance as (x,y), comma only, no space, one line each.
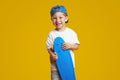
(58,20)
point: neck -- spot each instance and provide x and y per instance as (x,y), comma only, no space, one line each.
(62,29)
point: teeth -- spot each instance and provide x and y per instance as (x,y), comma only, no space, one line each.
(58,23)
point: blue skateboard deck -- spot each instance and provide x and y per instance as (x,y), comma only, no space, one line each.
(64,62)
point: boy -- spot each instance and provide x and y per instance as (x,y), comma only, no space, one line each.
(59,18)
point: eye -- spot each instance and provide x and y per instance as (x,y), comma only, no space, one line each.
(54,18)
(60,17)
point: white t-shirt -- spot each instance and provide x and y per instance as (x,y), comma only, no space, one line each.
(68,35)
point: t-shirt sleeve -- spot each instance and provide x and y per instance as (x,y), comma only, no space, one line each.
(75,39)
(49,42)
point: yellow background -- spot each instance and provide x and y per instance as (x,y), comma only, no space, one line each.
(25,24)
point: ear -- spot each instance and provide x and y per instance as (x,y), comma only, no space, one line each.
(66,18)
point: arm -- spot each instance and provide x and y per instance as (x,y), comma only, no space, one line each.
(53,55)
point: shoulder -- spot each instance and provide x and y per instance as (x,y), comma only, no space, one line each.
(51,32)
(70,30)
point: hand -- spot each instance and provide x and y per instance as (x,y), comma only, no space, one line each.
(66,46)
(53,57)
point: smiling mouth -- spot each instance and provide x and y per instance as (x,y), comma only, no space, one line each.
(59,23)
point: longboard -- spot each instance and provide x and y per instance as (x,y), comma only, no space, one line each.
(64,62)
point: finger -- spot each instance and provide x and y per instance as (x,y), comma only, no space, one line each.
(55,53)
(63,47)
(63,44)
(55,57)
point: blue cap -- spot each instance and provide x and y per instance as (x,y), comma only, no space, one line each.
(58,9)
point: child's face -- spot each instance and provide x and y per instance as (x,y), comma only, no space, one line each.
(59,20)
